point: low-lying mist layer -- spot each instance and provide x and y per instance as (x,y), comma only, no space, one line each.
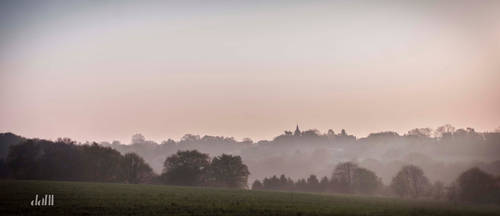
(442,153)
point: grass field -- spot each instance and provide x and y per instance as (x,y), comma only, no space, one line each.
(80,198)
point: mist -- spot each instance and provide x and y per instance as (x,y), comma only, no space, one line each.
(443,153)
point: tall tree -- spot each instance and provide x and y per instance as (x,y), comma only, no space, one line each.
(410,181)
(102,163)
(477,186)
(186,168)
(22,160)
(6,140)
(343,175)
(365,181)
(228,171)
(136,170)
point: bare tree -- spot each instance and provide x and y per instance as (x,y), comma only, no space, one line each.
(344,174)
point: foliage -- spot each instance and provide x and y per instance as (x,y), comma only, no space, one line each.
(136,170)
(410,181)
(64,160)
(186,168)
(346,178)
(228,171)
(477,186)
(365,181)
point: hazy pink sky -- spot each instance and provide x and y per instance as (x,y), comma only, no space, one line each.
(104,71)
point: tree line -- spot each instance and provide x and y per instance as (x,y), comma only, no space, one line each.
(193,168)
(346,178)
(64,160)
(442,145)
(473,185)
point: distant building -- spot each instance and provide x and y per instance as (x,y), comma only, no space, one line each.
(297,131)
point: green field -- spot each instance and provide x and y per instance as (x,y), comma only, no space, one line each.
(80,198)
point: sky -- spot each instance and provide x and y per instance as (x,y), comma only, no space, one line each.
(105,70)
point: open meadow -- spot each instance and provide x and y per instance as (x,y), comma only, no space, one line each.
(81,198)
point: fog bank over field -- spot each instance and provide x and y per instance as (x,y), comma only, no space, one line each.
(443,153)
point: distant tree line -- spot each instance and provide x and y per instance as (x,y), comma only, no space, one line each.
(387,147)
(347,177)
(473,185)
(66,160)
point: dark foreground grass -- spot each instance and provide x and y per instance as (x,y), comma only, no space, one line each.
(80,198)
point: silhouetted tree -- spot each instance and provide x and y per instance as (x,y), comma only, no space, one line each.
(136,170)
(445,131)
(7,140)
(420,132)
(138,139)
(275,183)
(343,133)
(22,160)
(313,184)
(410,181)
(324,184)
(272,183)
(63,160)
(330,133)
(344,174)
(257,185)
(365,181)
(285,183)
(228,171)
(186,168)
(102,164)
(477,186)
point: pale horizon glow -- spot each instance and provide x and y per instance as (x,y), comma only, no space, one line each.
(103,71)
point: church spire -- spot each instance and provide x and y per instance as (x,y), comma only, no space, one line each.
(297,131)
